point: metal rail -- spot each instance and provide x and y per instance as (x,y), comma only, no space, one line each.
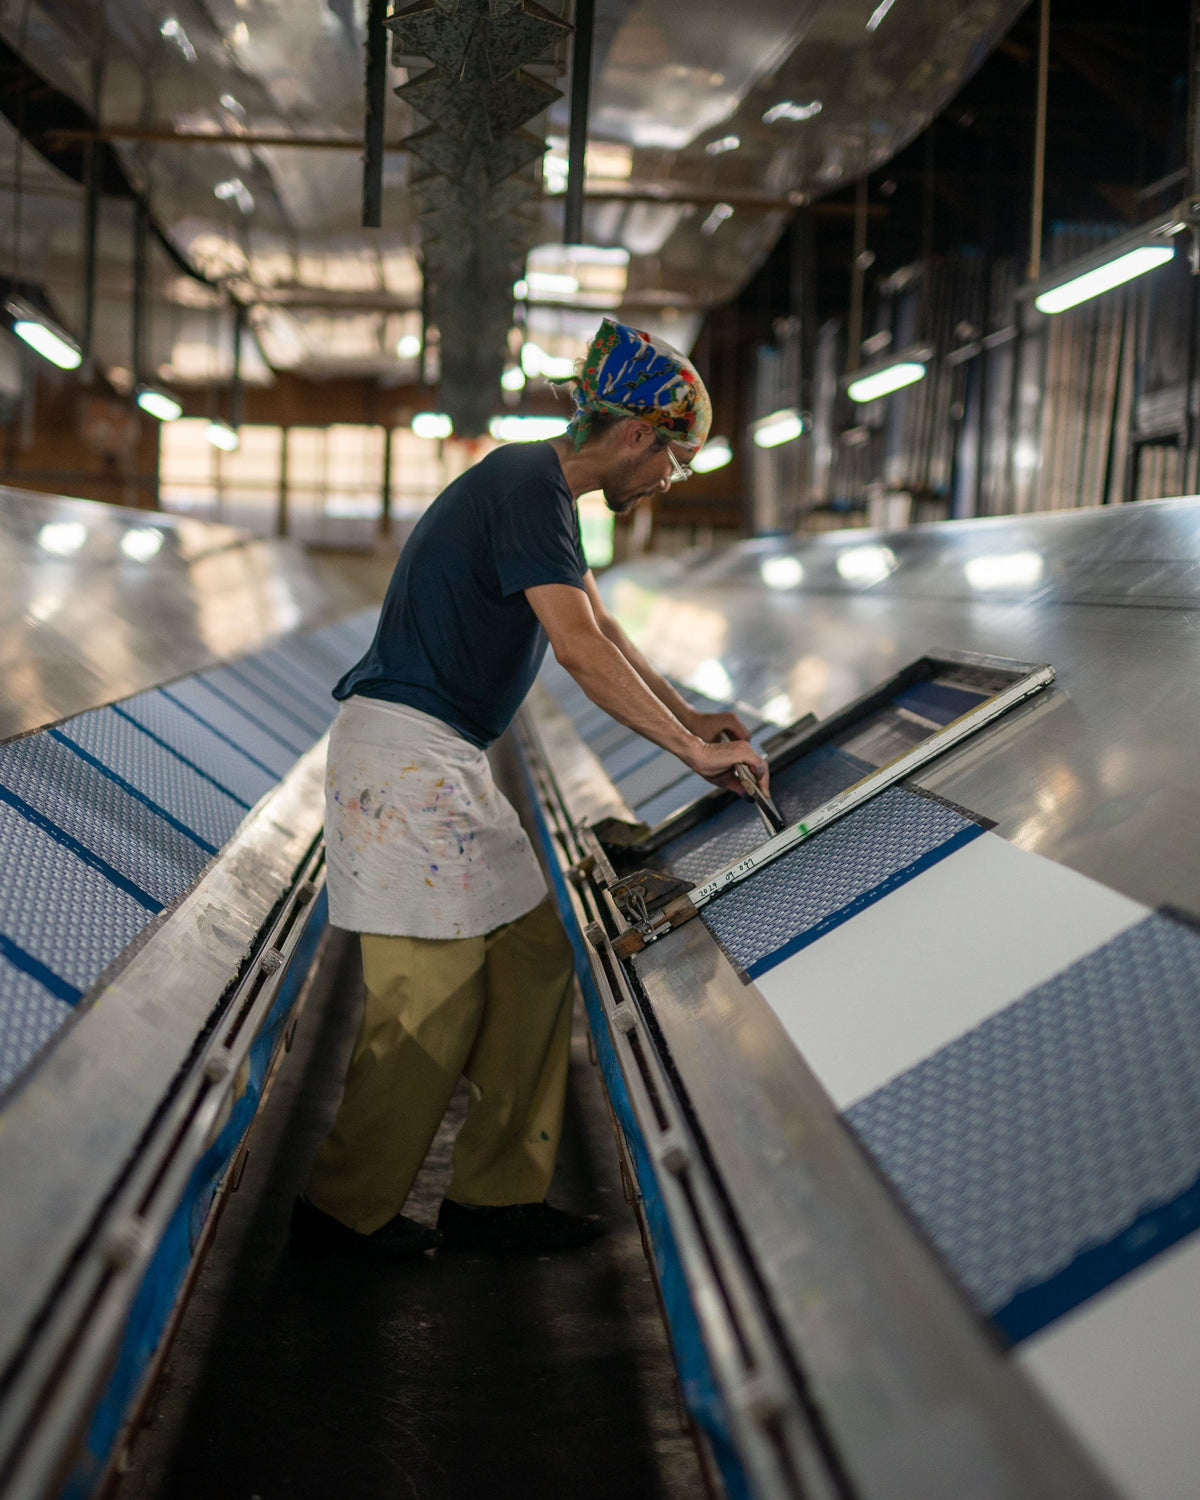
(850,1363)
(127,1146)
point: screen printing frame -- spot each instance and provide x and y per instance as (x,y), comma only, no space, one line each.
(870,1372)
(1018,680)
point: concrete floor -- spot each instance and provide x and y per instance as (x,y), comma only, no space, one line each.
(454,1376)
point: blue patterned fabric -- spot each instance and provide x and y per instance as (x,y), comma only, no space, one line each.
(837,873)
(228,721)
(193,801)
(45,777)
(217,756)
(737,830)
(29,1017)
(108,818)
(679,794)
(61,918)
(631,753)
(651,776)
(1057,1145)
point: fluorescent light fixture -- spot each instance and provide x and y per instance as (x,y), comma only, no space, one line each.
(513,378)
(779,427)
(158,404)
(63,538)
(866,564)
(409,346)
(1104,278)
(142,543)
(884,382)
(432,424)
(720,213)
(787,109)
(1006,570)
(715,454)
(222,435)
(878,14)
(526,429)
(55,347)
(778,709)
(726,143)
(551,283)
(781,573)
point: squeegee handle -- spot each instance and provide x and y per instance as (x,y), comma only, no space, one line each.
(749,784)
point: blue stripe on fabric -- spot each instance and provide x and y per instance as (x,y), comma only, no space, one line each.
(318,691)
(179,756)
(246,714)
(862,901)
(127,786)
(212,729)
(256,687)
(81,851)
(47,978)
(648,754)
(1032,1308)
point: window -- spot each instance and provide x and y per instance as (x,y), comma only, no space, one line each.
(187,470)
(240,488)
(335,484)
(423,467)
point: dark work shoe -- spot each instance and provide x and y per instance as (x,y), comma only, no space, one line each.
(313,1230)
(518,1228)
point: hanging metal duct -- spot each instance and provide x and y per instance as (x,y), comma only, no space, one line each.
(478,185)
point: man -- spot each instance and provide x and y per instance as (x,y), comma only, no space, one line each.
(466,967)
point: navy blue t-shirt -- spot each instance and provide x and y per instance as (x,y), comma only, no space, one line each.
(456,636)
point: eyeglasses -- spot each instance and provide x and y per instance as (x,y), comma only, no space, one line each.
(679,472)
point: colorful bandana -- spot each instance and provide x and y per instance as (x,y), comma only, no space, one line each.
(634,374)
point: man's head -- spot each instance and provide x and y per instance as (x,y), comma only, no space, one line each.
(629,373)
(632,459)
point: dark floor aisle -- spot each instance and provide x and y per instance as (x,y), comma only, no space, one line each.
(455,1376)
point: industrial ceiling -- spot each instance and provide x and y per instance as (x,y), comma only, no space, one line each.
(240,125)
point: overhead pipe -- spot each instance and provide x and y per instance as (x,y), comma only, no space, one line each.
(1039,146)
(376,81)
(138,308)
(581,87)
(237,390)
(858,267)
(91,211)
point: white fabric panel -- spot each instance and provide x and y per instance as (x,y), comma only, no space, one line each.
(934,958)
(1123,1370)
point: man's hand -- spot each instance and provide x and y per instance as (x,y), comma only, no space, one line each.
(715,761)
(726,732)
(710,727)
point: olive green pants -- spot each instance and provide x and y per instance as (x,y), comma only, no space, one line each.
(495,1010)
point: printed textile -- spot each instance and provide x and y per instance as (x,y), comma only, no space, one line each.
(633,374)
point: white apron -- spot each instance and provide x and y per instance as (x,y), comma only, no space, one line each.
(420,842)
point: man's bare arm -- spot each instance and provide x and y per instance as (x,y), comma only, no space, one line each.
(613,682)
(707,726)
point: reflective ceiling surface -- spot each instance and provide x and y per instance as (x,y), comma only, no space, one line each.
(709,124)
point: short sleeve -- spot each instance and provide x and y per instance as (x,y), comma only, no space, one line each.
(535,538)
